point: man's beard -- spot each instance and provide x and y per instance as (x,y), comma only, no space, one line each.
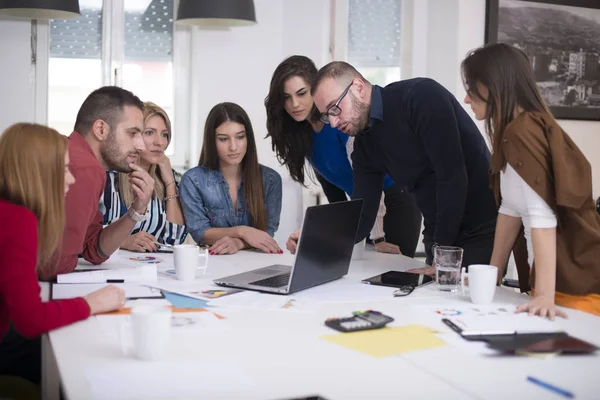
(112,156)
(360,121)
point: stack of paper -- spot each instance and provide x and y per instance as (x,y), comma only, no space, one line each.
(72,290)
(144,273)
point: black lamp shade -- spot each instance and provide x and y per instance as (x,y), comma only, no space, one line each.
(40,9)
(218,13)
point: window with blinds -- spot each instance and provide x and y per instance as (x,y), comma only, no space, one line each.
(374,39)
(148,32)
(142,61)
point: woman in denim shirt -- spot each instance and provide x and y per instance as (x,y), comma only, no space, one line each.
(229,200)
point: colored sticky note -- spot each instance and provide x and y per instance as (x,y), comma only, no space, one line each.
(180,301)
(388,341)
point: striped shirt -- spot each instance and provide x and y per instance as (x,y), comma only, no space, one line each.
(112,207)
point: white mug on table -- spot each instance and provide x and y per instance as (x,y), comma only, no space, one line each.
(188,259)
(148,334)
(482,282)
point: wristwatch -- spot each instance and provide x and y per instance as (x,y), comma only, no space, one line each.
(137,217)
(379,240)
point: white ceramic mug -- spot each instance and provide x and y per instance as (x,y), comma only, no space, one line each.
(148,333)
(188,259)
(358,251)
(482,282)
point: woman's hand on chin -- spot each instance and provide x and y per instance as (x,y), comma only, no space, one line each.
(166,171)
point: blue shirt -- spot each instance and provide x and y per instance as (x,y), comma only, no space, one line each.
(330,159)
(206,203)
(423,138)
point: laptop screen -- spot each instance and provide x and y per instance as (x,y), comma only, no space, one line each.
(326,243)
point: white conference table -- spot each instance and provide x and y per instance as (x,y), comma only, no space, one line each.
(278,354)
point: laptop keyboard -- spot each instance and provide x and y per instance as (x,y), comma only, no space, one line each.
(273,281)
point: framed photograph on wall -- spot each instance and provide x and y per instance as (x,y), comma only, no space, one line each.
(562,40)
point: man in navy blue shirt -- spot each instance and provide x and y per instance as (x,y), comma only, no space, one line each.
(416,132)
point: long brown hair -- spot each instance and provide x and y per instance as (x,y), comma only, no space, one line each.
(32,165)
(291,140)
(507,74)
(125,190)
(253,184)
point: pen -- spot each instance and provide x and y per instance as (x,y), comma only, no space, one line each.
(452,325)
(115,281)
(163,245)
(550,387)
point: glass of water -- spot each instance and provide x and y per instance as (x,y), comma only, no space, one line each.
(447,261)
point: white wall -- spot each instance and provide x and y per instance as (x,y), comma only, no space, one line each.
(236,65)
(586,135)
(17,78)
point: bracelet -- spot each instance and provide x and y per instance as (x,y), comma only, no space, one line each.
(168,184)
(171,197)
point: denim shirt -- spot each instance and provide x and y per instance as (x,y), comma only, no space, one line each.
(205,200)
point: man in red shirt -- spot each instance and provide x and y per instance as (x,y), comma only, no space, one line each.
(107,135)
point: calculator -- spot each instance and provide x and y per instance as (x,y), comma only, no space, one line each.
(360,321)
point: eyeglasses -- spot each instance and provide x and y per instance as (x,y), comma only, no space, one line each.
(404,290)
(334,110)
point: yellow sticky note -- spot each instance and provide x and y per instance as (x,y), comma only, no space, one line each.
(388,341)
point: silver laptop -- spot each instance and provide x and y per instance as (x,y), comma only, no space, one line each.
(323,254)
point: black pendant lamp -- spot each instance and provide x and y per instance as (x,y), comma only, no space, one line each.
(40,9)
(216,13)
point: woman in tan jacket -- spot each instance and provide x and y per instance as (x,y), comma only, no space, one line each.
(542,183)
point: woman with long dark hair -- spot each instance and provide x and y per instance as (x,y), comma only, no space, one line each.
(542,182)
(298,135)
(229,200)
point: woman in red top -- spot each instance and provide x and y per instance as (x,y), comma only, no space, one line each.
(34,178)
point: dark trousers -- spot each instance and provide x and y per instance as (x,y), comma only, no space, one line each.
(20,356)
(477,244)
(332,192)
(402,220)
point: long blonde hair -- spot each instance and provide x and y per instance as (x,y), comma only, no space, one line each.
(32,165)
(125,190)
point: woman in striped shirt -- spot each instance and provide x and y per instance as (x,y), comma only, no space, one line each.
(165,223)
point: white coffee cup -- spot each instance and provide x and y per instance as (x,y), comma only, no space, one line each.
(482,282)
(358,251)
(188,259)
(148,333)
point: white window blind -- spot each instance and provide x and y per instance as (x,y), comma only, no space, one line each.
(148,33)
(374,33)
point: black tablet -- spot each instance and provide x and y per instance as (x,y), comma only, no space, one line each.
(399,279)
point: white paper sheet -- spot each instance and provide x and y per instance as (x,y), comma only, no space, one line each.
(71,290)
(264,301)
(144,273)
(111,325)
(134,379)
(170,288)
(485,319)
(346,291)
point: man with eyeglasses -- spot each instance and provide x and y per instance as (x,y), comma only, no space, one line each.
(416,132)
